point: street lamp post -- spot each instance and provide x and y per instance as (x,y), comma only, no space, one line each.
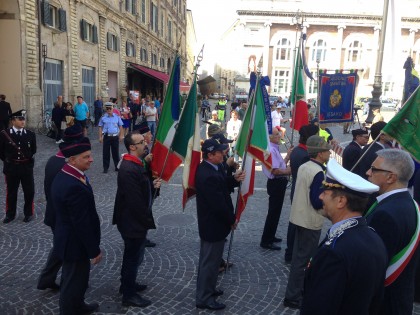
(377,84)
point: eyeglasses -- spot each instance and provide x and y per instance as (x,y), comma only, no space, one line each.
(375,169)
(108,108)
(140,142)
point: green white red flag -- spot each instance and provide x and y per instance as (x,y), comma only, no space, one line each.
(186,142)
(164,161)
(253,139)
(404,126)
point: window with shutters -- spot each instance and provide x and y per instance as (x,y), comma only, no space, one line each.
(154,59)
(53,16)
(112,42)
(162,62)
(154,18)
(143,54)
(170,31)
(143,11)
(88,31)
(162,23)
(130,6)
(130,49)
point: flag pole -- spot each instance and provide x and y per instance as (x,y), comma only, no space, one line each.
(299,26)
(248,140)
(367,150)
(199,59)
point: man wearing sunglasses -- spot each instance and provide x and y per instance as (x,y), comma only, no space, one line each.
(17,148)
(133,216)
(395,217)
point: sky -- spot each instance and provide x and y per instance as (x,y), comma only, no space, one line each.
(211,20)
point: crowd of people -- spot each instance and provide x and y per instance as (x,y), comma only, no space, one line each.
(366,264)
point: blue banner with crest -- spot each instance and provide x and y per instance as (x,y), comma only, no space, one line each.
(337,97)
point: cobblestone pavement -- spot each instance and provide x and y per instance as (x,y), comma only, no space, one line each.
(254,285)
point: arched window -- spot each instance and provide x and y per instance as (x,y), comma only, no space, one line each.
(283,49)
(319,50)
(354,51)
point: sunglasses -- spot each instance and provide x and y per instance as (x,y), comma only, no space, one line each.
(108,108)
(375,169)
(140,142)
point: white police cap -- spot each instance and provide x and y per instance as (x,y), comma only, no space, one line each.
(340,178)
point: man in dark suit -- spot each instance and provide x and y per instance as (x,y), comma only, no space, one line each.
(215,220)
(133,216)
(5,112)
(383,142)
(17,150)
(55,163)
(77,232)
(395,218)
(346,274)
(354,149)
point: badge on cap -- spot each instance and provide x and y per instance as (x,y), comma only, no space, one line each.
(19,114)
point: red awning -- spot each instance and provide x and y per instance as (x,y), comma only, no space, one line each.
(162,77)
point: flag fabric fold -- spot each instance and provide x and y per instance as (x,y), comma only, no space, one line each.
(404,127)
(300,109)
(253,141)
(164,161)
(187,143)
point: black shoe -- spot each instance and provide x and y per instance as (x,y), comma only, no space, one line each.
(136,300)
(7,220)
(105,171)
(88,308)
(214,306)
(291,304)
(139,287)
(217,292)
(53,286)
(270,246)
(149,243)
(27,218)
(277,240)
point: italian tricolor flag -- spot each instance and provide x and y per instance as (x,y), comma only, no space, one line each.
(186,142)
(165,162)
(253,139)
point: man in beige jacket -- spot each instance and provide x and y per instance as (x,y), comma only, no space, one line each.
(305,216)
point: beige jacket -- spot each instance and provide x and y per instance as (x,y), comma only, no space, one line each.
(302,213)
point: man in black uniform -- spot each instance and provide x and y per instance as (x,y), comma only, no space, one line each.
(54,165)
(17,148)
(77,232)
(346,274)
(354,149)
(215,218)
(5,112)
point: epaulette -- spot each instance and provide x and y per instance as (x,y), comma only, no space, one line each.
(333,237)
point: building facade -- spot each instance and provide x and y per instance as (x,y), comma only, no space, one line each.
(338,37)
(88,48)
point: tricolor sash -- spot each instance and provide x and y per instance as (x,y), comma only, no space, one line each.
(400,260)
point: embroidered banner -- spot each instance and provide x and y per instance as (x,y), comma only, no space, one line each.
(337,97)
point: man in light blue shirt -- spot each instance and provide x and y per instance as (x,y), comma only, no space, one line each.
(81,112)
(110,130)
